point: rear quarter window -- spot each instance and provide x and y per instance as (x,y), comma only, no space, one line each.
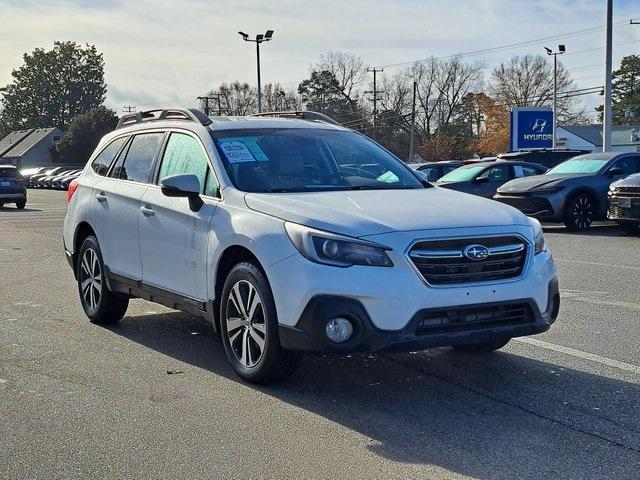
(105,158)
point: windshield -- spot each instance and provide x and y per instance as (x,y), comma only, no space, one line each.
(9,173)
(305,160)
(587,164)
(463,174)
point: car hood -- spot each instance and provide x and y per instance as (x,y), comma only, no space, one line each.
(534,182)
(373,212)
(630,181)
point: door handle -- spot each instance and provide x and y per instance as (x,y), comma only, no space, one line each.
(101,197)
(147,212)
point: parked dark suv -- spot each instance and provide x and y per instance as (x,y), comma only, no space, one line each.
(12,186)
(624,202)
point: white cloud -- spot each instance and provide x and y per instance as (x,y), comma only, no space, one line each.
(169,52)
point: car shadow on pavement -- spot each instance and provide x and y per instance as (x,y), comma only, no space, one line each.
(19,210)
(496,416)
(599,230)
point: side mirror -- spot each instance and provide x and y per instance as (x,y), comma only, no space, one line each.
(482,180)
(183,185)
(615,171)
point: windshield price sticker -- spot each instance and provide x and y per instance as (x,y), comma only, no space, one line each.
(237,152)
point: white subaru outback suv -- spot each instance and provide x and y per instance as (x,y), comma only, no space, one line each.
(290,234)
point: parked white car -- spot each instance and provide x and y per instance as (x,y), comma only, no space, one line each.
(291,234)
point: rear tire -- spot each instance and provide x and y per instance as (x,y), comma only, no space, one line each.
(101,305)
(482,347)
(21,204)
(580,212)
(249,327)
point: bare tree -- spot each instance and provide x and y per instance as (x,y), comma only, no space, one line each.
(275,98)
(528,82)
(454,80)
(349,70)
(238,98)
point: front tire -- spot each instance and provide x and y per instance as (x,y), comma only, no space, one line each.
(101,305)
(249,327)
(21,204)
(482,347)
(579,212)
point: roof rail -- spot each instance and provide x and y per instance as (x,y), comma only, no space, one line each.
(188,114)
(304,115)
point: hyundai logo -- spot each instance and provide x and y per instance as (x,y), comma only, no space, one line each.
(476,252)
(538,125)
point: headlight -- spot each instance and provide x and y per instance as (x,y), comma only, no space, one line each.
(538,236)
(547,190)
(336,250)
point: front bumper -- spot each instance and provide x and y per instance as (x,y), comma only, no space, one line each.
(542,207)
(624,207)
(437,327)
(12,197)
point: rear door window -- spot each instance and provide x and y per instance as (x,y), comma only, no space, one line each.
(526,171)
(103,161)
(138,162)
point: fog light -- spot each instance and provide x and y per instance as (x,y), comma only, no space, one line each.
(339,330)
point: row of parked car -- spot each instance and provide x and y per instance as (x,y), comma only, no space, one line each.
(57,178)
(572,187)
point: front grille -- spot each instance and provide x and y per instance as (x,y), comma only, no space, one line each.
(442,262)
(628,191)
(473,317)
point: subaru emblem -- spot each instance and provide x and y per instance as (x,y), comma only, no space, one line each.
(476,252)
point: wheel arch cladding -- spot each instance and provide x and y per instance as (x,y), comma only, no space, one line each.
(83,230)
(230,257)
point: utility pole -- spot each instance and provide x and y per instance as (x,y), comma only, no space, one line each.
(129,109)
(375,98)
(561,50)
(606,118)
(206,104)
(258,40)
(413,120)
(207,108)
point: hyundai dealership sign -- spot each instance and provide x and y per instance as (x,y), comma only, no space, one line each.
(531,127)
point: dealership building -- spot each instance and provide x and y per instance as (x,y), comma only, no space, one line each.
(624,138)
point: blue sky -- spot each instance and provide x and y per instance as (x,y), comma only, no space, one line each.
(168,52)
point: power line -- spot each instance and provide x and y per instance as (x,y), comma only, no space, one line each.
(511,45)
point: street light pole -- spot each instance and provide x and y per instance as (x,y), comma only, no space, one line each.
(258,40)
(561,50)
(606,117)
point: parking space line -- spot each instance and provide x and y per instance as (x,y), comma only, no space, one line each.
(580,354)
(596,264)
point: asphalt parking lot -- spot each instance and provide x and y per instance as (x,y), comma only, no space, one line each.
(154,396)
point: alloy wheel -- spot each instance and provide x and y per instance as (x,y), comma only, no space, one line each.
(245,321)
(90,279)
(582,212)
